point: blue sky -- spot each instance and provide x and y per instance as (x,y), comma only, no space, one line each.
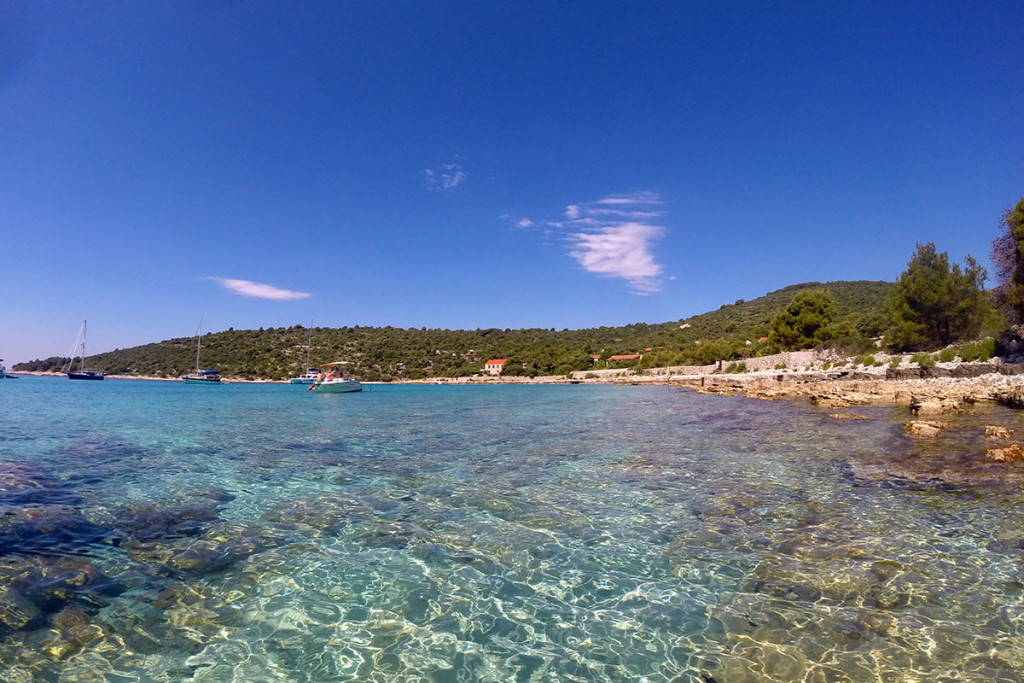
(481,164)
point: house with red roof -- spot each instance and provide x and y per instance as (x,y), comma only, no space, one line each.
(495,366)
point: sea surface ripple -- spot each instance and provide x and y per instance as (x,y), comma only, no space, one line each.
(155,531)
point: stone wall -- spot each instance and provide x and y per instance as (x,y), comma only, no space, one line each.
(794,360)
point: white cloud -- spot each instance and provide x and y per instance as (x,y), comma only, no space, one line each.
(445,178)
(620,251)
(525,223)
(634,198)
(257,290)
(617,242)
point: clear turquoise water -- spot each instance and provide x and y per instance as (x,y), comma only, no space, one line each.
(164,532)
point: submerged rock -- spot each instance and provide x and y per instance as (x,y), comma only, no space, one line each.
(218,547)
(1011,453)
(322,512)
(936,406)
(925,427)
(23,483)
(145,521)
(33,587)
(49,529)
(996,432)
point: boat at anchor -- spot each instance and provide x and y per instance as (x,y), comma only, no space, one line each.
(331,380)
(201,376)
(81,373)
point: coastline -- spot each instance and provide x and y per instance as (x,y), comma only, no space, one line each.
(954,386)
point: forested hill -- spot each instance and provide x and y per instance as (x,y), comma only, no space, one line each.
(388,353)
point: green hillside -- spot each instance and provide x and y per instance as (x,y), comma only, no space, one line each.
(388,353)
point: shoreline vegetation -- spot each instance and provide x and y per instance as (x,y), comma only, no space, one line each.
(822,379)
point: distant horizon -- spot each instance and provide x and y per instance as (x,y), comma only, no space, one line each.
(464,166)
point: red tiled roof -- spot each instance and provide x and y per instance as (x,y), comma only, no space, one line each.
(629,357)
(499,361)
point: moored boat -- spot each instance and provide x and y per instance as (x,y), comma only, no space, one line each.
(86,374)
(81,373)
(311,373)
(331,380)
(308,378)
(201,376)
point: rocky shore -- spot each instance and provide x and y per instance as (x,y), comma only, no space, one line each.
(926,390)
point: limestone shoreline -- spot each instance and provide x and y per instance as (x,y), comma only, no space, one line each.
(964,385)
(1003,386)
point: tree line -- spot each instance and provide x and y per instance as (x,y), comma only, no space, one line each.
(933,303)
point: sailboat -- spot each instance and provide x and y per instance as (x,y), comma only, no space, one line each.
(201,376)
(82,373)
(3,371)
(311,373)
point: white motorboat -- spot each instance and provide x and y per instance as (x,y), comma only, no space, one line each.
(331,380)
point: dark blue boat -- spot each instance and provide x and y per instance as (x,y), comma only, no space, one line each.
(86,374)
(82,373)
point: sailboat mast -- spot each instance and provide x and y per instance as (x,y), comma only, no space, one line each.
(309,344)
(84,323)
(199,343)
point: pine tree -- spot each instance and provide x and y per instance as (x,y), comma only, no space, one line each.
(935,304)
(1008,257)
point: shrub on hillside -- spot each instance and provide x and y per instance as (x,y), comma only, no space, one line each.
(806,320)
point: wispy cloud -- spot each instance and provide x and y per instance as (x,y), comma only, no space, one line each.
(617,242)
(445,178)
(258,290)
(518,222)
(645,198)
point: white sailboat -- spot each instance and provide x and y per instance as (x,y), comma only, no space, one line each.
(81,373)
(201,376)
(311,373)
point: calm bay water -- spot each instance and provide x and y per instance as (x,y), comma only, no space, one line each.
(156,531)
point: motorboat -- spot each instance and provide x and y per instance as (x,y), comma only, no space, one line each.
(331,380)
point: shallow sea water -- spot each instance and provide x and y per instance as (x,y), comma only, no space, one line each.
(155,531)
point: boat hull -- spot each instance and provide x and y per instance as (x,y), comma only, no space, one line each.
(201,380)
(86,375)
(337,386)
